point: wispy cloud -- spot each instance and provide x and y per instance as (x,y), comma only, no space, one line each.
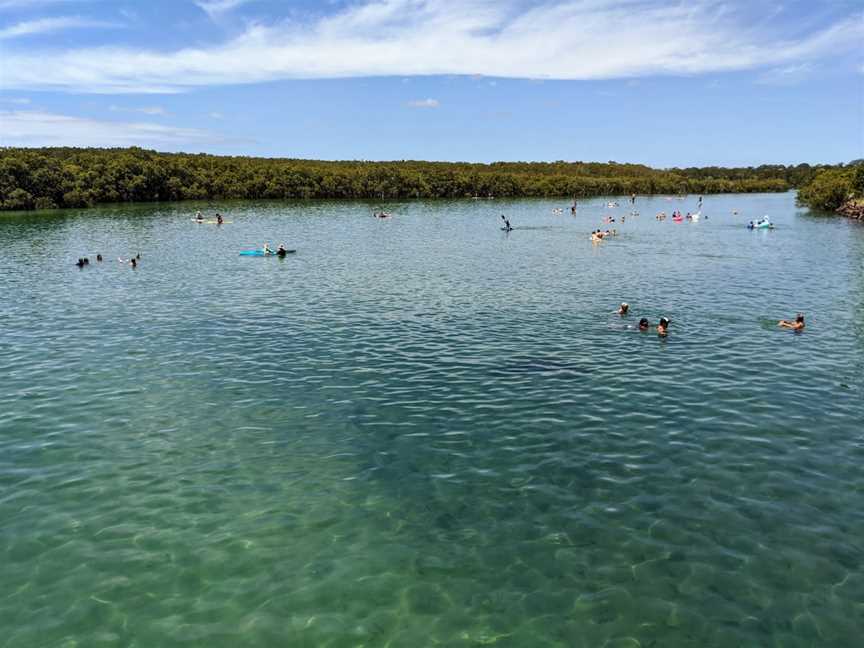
(216,115)
(36,128)
(146,110)
(569,39)
(424,103)
(215,8)
(20,101)
(28,4)
(51,25)
(787,75)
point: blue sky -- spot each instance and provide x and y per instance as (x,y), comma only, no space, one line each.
(663,83)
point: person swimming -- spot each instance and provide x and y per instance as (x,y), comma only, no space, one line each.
(663,327)
(199,216)
(99,258)
(644,325)
(80,262)
(797,325)
(622,310)
(219,219)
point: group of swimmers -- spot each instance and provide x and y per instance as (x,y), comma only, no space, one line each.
(599,235)
(644,325)
(84,261)
(199,217)
(663,325)
(281,251)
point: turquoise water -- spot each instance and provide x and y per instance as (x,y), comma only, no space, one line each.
(424,431)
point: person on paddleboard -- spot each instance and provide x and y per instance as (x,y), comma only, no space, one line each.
(506,223)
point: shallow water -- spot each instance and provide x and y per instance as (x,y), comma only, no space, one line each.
(426,431)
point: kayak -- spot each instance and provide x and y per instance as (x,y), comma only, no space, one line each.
(210,222)
(262,253)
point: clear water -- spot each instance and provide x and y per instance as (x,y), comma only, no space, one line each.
(425,431)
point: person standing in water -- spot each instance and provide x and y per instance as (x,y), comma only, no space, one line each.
(797,325)
(219,219)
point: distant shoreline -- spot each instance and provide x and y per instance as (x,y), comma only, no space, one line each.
(50,178)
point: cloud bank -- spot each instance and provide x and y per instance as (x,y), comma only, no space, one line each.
(50,25)
(37,128)
(572,39)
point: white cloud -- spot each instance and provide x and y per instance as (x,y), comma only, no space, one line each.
(216,115)
(146,110)
(28,4)
(424,103)
(571,39)
(215,8)
(36,128)
(787,75)
(50,25)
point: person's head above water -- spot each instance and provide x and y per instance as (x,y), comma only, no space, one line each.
(664,322)
(643,323)
(799,318)
(624,308)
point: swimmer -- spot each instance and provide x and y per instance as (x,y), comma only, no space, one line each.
(99,258)
(134,262)
(797,325)
(219,219)
(596,236)
(663,327)
(199,216)
(643,324)
(622,310)
(80,262)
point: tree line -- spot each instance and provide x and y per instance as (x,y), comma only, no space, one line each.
(45,178)
(831,188)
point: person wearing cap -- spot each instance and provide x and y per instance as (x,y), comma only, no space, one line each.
(622,310)
(797,325)
(663,327)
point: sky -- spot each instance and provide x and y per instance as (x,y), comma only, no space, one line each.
(695,82)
